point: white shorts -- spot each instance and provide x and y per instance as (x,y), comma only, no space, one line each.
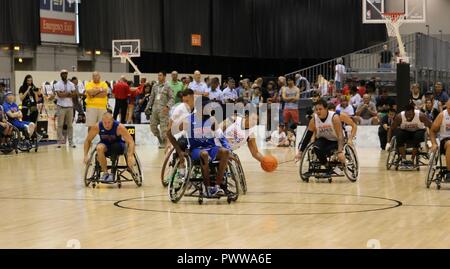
(94,116)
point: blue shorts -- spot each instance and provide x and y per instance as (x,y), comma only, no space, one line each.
(212,152)
(115,149)
(21,125)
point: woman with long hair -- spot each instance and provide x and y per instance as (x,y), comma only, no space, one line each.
(30,96)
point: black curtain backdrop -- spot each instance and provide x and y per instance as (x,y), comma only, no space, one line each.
(287,29)
(19,22)
(182,18)
(101,21)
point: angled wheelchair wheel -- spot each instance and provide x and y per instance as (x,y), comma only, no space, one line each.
(179,184)
(393,155)
(432,169)
(138,176)
(351,168)
(305,164)
(232,188)
(167,167)
(91,170)
(240,175)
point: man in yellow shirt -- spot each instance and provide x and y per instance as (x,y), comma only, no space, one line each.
(96,100)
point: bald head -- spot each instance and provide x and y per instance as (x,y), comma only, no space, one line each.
(197,76)
(96,77)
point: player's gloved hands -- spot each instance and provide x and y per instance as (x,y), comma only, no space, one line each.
(388,146)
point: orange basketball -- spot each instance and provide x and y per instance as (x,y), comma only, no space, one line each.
(269,163)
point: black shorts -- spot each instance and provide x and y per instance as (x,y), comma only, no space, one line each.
(442,145)
(410,138)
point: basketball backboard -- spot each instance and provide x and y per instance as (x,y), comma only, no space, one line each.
(132,47)
(414,10)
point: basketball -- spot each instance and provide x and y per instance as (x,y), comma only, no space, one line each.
(269,163)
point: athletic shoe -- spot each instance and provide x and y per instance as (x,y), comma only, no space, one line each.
(215,191)
(107,177)
(338,171)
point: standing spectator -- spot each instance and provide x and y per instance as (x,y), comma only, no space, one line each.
(366,114)
(96,100)
(121,91)
(355,98)
(2,92)
(229,93)
(247,92)
(142,103)
(417,96)
(256,95)
(176,86)
(65,91)
(78,100)
(215,93)
(430,111)
(339,73)
(207,81)
(302,83)
(291,96)
(29,95)
(362,88)
(385,125)
(160,102)
(386,58)
(268,92)
(322,85)
(344,107)
(134,93)
(440,94)
(198,86)
(384,103)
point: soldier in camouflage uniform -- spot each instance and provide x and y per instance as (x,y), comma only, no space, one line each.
(160,102)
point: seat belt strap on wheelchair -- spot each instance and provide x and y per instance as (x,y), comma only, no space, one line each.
(306,140)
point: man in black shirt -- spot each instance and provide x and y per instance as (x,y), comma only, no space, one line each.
(385,124)
(385,103)
(386,58)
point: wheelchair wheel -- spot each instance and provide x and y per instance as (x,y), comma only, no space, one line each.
(167,168)
(177,186)
(393,155)
(351,168)
(138,176)
(232,183)
(239,174)
(91,171)
(305,163)
(432,169)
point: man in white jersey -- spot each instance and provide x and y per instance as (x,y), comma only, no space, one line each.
(442,126)
(327,126)
(409,128)
(241,130)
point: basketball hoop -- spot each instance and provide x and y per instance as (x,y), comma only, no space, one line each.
(123,57)
(393,21)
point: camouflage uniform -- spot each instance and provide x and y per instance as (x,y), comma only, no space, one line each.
(161,97)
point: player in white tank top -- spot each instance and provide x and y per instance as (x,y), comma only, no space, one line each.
(240,131)
(442,126)
(409,127)
(328,129)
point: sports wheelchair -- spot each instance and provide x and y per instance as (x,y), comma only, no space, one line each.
(394,158)
(18,141)
(118,167)
(191,183)
(437,170)
(171,158)
(310,165)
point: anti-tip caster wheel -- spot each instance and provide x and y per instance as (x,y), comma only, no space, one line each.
(119,185)
(330,180)
(200,201)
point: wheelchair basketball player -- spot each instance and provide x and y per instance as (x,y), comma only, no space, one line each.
(113,137)
(441,126)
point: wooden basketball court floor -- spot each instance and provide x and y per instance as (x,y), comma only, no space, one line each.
(44,204)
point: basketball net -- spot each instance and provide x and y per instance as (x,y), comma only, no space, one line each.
(123,57)
(393,22)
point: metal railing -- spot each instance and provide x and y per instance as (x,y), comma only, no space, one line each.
(429,58)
